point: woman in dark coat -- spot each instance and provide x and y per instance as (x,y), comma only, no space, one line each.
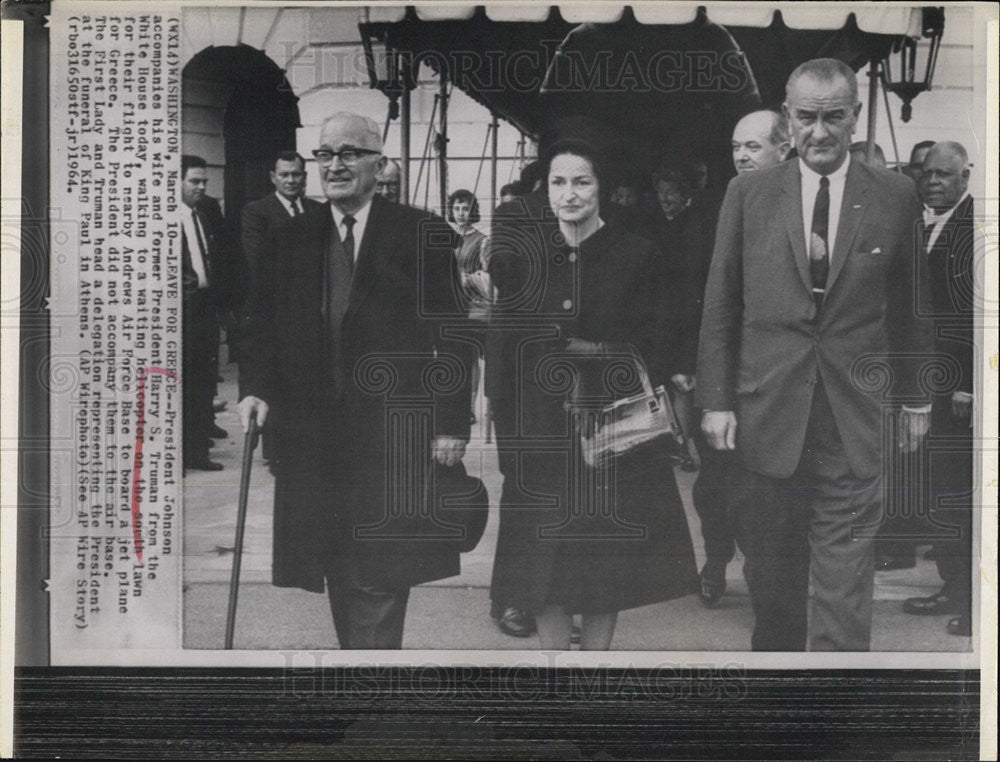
(573,292)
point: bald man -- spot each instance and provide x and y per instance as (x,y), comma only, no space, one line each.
(388,181)
(948,254)
(348,368)
(760,140)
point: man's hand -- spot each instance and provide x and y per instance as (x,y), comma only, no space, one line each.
(250,406)
(683,382)
(719,428)
(913,428)
(961,405)
(449,451)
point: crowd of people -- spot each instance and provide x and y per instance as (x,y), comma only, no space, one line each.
(756,302)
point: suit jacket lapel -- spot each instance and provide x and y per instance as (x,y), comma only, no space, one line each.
(791,211)
(852,211)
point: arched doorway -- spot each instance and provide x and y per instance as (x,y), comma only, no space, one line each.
(239,111)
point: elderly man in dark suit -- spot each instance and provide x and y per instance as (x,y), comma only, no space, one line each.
(209,277)
(348,368)
(811,293)
(948,254)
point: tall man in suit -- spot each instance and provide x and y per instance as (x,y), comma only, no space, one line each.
(811,293)
(288,200)
(948,238)
(760,140)
(348,367)
(208,276)
(261,216)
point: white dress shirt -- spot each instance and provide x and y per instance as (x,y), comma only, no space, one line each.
(360,223)
(288,204)
(197,255)
(938,220)
(810,187)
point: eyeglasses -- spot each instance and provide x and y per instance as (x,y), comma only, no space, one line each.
(348,156)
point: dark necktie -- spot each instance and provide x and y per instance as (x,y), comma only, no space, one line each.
(348,241)
(295,208)
(203,249)
(819,255)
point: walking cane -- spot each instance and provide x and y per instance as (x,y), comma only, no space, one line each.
(249,443)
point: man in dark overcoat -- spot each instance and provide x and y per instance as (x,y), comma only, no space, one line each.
(348,368)
(210,278)
(948,255)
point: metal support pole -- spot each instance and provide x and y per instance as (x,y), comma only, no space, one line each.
(443,136)
(493,162)
(872,106)
(404,151)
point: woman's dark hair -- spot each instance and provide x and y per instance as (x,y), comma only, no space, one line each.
(463,195)
(596,157)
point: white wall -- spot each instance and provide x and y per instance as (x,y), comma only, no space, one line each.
(947,112)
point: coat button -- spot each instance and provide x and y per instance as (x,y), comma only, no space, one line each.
(572,256)
(568,304)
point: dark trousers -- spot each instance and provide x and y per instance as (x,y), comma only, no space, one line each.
(364,616)
(800,529)
(950,445)
(201,346)
(712,497)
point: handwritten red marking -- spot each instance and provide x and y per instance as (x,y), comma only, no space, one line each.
(137,458)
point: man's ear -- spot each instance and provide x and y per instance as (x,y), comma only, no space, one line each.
(783,148)
(857,113)
(380,165)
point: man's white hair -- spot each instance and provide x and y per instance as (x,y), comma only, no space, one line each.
(371,126)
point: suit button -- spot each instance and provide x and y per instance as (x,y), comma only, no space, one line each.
(568,304)
(572,256)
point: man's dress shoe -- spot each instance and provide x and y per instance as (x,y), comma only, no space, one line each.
(202,464)
(516,623)
(960,625)
(891,563)
(932,605)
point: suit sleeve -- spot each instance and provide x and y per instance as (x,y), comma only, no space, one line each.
(964,266)
(257,355)
(253,229)
(719,337)
(443,310)
(911,336)
(228,274)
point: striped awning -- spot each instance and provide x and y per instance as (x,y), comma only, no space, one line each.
(884,19)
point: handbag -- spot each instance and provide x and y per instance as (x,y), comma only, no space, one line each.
(630,423)
(459,508)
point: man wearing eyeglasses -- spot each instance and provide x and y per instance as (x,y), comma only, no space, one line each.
(347,369)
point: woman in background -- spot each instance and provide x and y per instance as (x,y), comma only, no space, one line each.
(471,256)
